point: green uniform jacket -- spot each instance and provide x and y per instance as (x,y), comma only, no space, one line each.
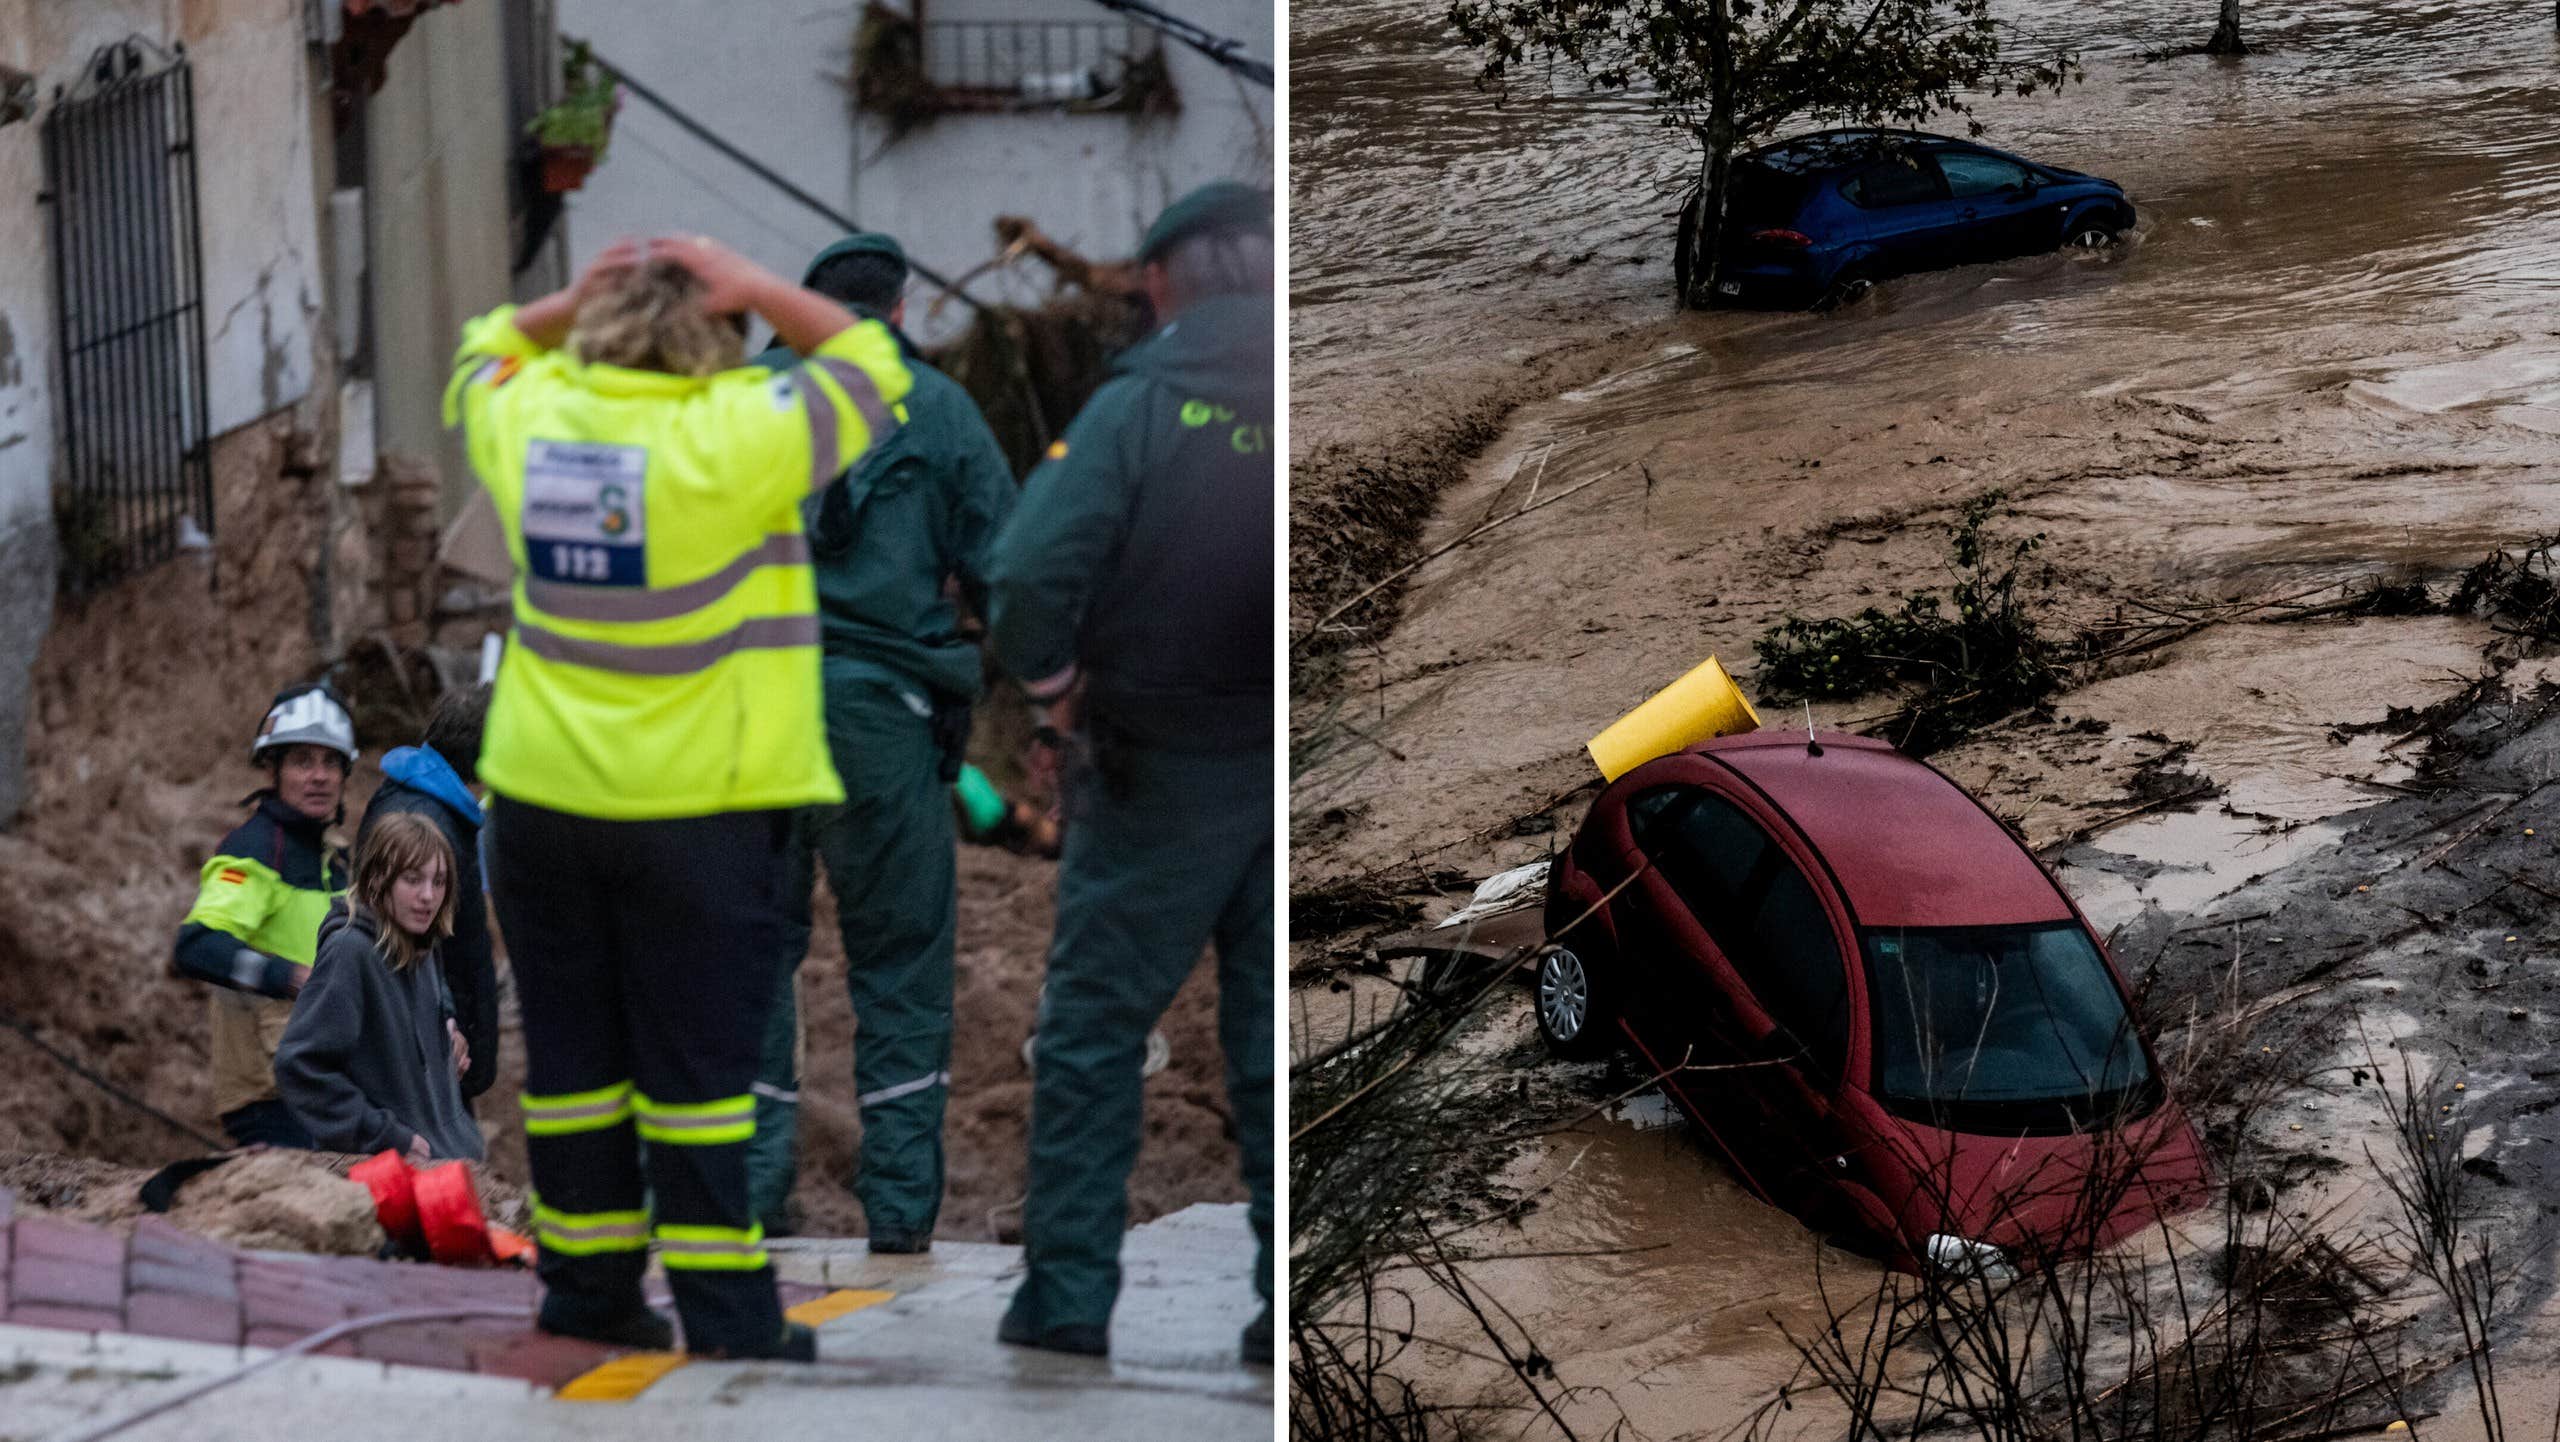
(1140,552)
(918,509)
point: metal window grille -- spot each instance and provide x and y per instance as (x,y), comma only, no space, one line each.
(120,172)
(1011,63)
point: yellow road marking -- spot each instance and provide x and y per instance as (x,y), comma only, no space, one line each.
(819,1311)
(624,1378)
(621,1379)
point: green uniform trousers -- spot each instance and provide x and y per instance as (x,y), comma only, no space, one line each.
(888,853)
(1173,856)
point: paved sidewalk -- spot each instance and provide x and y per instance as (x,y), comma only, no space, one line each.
(98,1330)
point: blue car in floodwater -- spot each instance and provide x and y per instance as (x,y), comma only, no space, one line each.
(1817,220)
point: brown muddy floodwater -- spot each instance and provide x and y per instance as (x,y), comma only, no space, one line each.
(2330,352)
(1657,1278)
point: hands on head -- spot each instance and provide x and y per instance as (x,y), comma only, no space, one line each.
(730,282)
(802,319)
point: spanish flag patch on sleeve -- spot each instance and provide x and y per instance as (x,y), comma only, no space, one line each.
(232,875)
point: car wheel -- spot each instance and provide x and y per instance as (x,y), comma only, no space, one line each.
(2090,235)
(1577,1010)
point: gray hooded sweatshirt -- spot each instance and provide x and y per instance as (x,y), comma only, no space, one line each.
(365,1063)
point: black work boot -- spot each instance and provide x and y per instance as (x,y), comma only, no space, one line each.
(632,1324)
(1257,1339)
(1082,1339)
(900,1244)
(798,1343)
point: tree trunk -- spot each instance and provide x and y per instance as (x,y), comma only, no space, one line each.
(1703,226)
(1702,223)
(2226,32)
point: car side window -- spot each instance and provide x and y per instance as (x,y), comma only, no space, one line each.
(1895,180)
(1757,907)
(1971,173)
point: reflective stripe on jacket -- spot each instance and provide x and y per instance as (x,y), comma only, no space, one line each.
(270,884)
(266,889)
(665,658)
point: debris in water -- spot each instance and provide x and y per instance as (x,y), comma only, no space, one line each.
(1505,891)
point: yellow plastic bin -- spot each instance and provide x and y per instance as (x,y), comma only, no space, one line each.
(1701,705)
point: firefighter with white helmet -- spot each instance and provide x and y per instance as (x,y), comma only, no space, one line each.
(256,923)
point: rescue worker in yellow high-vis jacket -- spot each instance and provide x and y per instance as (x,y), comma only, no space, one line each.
(255,927)
(657,718)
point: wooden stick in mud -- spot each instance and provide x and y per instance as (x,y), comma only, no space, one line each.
(1399,573)
(2239,611)
(2495,807)
(2197,793)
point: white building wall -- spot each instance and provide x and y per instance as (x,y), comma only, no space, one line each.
(260,259)
(771,76)
(262,281)
(436,237)
(764,75)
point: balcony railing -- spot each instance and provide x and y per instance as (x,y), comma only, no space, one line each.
(1033,64)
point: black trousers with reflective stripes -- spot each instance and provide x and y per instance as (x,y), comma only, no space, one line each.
(639,954)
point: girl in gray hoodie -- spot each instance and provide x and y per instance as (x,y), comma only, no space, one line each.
(372,1060)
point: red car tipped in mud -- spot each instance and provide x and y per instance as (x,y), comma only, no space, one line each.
(1908,1033)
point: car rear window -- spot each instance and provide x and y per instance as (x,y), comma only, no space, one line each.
(1759,195)
(1899,180)
(2001,1028)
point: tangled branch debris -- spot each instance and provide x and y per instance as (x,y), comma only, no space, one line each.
(1975,654)
(2519,590)
(1031,368)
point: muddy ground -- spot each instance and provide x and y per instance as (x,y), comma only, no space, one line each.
(144,701)
(2323,360)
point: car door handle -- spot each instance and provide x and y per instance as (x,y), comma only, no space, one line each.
(1967,214)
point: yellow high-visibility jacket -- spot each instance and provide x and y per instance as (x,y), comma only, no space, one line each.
(664,661)
(256,920)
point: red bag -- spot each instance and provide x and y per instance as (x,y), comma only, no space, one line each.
(395,1196)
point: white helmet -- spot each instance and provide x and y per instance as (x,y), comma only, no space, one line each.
(309,715)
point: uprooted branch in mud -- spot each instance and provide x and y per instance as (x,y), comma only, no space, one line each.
(1732,73)
(2517,591)
(1983,650)
(1975,654)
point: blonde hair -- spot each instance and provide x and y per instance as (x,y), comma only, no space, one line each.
(399,843)
(652,320)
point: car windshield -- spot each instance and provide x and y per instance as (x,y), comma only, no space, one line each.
(2004,1027)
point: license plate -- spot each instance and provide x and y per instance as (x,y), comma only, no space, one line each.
(1728,287)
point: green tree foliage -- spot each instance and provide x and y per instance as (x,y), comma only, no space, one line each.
(1732,72)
